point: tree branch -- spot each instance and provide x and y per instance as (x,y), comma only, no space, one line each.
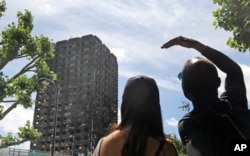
(18,57)
(13,106)
(5,61)
(15,143)
(9,101)
(24,69)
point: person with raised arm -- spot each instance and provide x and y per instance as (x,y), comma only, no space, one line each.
(201,130)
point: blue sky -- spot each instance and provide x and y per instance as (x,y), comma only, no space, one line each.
(133,31)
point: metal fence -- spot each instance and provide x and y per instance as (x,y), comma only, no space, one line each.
(22,152)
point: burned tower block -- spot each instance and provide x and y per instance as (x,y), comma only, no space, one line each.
(87,84)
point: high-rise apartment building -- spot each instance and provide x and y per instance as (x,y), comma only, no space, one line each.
(87,84)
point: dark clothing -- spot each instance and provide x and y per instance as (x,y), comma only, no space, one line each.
(235,90)
(203,131)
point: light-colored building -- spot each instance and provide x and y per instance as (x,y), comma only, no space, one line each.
(87,83)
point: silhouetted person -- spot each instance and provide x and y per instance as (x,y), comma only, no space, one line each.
(140,132)
(202,131)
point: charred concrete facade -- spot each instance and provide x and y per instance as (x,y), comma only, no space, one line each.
(87,81)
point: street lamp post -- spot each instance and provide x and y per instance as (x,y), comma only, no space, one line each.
(48,81)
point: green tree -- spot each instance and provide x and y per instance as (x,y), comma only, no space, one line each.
(178,144)
(17,43)
(234,16)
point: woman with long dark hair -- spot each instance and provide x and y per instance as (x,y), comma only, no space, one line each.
(140,132)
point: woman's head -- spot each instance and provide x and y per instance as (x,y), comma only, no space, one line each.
(140,110)
(140,105)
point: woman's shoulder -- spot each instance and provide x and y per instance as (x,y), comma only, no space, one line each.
(112,143)
(170,148)
(112,137)
(169,141)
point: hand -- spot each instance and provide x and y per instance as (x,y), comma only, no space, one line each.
(182,41)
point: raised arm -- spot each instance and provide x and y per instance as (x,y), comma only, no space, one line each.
(235,87)
(223,62)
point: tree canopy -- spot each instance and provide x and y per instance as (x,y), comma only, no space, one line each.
(234,16)
(17,43)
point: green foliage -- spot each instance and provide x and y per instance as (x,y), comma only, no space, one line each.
(8,140)
(28,132)
(22,87)
(178,144)
(2,87)
(234,16)
(2,7)
(35,51)
(25,133)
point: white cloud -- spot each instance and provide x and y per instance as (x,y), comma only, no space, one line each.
(138,28)
(169,83)
(173,122)
(15,119)
(45,7)
(129,73)
(120,54)
(246,72)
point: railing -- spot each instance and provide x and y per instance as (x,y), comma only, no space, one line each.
(22,152)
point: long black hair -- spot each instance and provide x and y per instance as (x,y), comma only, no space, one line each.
(140,109)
